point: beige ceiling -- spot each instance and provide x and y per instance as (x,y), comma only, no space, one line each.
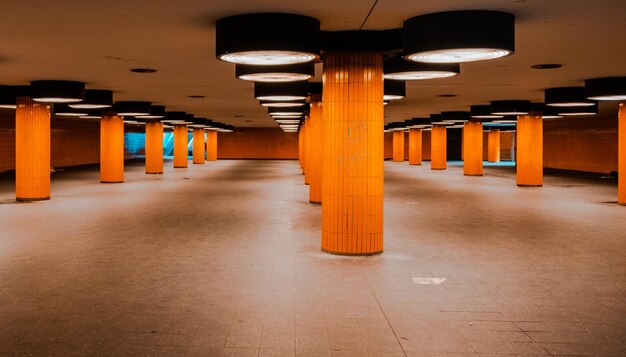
(99,41)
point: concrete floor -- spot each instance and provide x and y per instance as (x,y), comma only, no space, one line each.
(224,259)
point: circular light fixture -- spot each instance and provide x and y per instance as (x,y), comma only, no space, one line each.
(287,116)
(455,117)
(398,69)
(133,108)
(435,119)
(459,36)
(143,70)
(9,94)
(283,111)
(394,90)
(546,66)
(175,117)
(284,73)
(293,104)
(483,112)
(550,113)
(198,123)
(288,91)
(97,114)
(510,107)
(420,123)
(156,112)
(267,39)
(608,88)
(397,126)
(65,110)
(578,111)
(57,91)
(567,97)
(287,121)
(95,99)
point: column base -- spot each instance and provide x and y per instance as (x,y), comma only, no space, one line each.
(415,164)
(180,167)
(472,174)
(199,163)
(21,199)
(351,254)
(315,202)
(621,203)
(111,181)
(524,185)
(154,173)
(432,168)
(306,183)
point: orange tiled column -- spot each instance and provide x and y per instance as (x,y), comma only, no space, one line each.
(621,154)
(32,150)
(198,146)
(154,147)
(180,146)
(398,146)
(530,150)
(438,151)
(307,151)
(316,155)
(111,148)
(352,192)
(211,145)
(301,149)
(493,145)
(473,148)
(415,146)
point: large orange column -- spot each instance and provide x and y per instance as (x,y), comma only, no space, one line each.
(473,148)
(32,150)
(398,146)
(621,154)
(493,145)
(307,151)
(111,148)
(301,149)
(316,155)
(438,150)
(154,147)
(352,192)
(211,145)
(180,146)
(530,150)
(415,146)
(198,145)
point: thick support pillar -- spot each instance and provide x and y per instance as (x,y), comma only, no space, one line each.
(111,148)
(154,147)
(398,146)
(438,149)
(316,155)
(473,149)
(493,145)
(352,192)
(415,146)
(180,146)
(530,150)
(198,146)
(301,149)
(32,150)
(621,154)
(307,151)
(211,145)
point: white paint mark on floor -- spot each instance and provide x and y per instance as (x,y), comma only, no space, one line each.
(429,281)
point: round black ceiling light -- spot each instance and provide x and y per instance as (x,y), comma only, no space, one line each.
(53,91)
(483,112)
(567,97)
(420,123)
(510,107)
(455,116)
(284,111)
(398,69)
(133,108)
(156,112)
(608,88)
(394,90)
(65,110)
(459,36)
(277,73)
(9,95)
(435,119)
(578,111)
(175,117)
(95,99)
(267,39)
(287,104)
(281,91)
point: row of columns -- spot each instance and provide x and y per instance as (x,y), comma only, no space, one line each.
(32,149)
(529,160)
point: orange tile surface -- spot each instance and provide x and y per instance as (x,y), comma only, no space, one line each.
(415,146)
(111,148)
(530,150)
(154,148)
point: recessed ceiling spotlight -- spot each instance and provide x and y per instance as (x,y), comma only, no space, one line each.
(546,66)
(143,70)
(446,95)
(197,96)
(459,36)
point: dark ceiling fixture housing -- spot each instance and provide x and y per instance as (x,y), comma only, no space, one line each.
(510,107)
(459,36)
(143,70)
(281,91)
(388,42)
(546,66)
(420,123)
(133,108)
(9,94)
(287,104)
(399,69)
(198,123)
(54,91)
(95,99)
(156,112)
(175,117)
(65,110)
(275,73)
(550,113)
(435,119)
(483,112)
(394,90)
(607,88)
(267,39)
(284,111)
(578,111)
(567,97)
(455,117)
